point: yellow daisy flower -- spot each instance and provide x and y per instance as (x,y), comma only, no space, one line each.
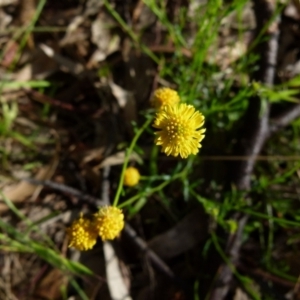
(179,130)
(109,222)
(82,234)
(131,176)
(164,96)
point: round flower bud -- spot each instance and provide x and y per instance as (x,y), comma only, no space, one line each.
(109,222)
(164,96)
(131,176)
(82,234)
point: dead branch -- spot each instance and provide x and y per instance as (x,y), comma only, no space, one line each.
(285,118)
(94,202)
(252,137)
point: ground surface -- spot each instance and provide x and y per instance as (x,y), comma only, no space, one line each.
(76,78)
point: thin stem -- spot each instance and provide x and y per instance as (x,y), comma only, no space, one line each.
(28,30)
(128,152)
(244,280)
(153,190)
(129,31)
(36,29)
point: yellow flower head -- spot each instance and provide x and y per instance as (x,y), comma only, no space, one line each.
(109,221)
(131,176)
(179,130)
(164,96)
(82,234)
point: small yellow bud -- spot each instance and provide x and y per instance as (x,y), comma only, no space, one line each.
(164,96)
(131,176)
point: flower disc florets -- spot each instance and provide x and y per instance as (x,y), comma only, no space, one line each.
(82,234)
(180,132)
(164,96)
(109,222)
(131,176)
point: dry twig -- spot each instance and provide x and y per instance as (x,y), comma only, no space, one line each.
(252,137)
(129,231)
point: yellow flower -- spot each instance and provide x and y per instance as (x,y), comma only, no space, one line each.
(164,96)
(131,176)
(179,130)
(82,234)
(109,222)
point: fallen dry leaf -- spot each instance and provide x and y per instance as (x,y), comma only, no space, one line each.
(22,190)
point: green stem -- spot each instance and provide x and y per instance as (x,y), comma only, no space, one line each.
(243,279)
(28,30)
(280,221)
(152,190)
(129,31)
(128,153)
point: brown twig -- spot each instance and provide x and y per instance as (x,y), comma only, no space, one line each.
(105,186)
(157,262)
(256,128)
(258,157)
(48,100)
(92,201)
(224,276)
(131,233)
(252,138)
(143,247)
(285,118)
(265,275)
